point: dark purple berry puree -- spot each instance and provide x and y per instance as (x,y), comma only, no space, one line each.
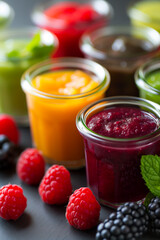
(113,170)
(122,123)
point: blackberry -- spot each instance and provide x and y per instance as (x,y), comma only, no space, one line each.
(7,152)
(128,222)
(154,215)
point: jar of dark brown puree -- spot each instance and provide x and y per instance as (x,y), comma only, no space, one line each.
(121,50)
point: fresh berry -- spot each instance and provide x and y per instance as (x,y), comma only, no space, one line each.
(154,214)
(56,187)
(9,128)
(83,210)
(129,222)
(7,152)
(31,166)
(12,202)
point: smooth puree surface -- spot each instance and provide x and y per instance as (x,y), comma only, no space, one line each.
(64,82)
(53,119)
(113,167)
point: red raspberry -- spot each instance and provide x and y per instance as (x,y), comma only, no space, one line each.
(12,202)
(56,187)
(9,128)
(83,210)
(31,166)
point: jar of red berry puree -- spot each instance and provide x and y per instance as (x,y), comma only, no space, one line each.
(117,131)
(68,19)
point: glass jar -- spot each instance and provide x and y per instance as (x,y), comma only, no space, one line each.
(121,49)
(6,14)
(17,53)
(69,19)
(148,81)
(145,13)
(52,116)
(112,163)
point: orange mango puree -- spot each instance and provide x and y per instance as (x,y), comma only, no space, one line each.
(52,118)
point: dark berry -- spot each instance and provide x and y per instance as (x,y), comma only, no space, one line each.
(154,215)
(130,221)
(7,152)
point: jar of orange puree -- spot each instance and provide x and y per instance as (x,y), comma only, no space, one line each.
(56,90)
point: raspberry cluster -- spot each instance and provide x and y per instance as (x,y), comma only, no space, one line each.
(130,221)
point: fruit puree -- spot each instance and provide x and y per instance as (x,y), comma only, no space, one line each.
(147,79)
(52,118)
(68,20)
(122,123)
(121,49)
(18,52)
(112,164)
(146,13)
(153,79)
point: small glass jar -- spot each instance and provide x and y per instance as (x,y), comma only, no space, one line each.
(16,55)
(145,13)
(52,116)
(147,80)
(6,14)
(113,164)
(121,49)
(68,25)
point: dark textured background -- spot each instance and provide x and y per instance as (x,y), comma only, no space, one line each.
(41,221)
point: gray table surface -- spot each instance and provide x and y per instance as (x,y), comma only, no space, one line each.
(41,221)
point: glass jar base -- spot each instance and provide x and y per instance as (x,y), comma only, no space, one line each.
(116,205)
(68,164)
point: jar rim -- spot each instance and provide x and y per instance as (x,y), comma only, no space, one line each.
(111,101)
(22,33)
(87,46)
(140,75)
(65,63)
(103,7)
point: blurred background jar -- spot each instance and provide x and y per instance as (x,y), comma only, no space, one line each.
(6,14)
(69,19)
(19,49)
(145,13)
(147,79)
(121,49)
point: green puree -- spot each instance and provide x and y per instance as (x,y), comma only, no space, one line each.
(153,79)
(152,92)
(16,56)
